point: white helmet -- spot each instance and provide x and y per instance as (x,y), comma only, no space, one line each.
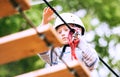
(70,19)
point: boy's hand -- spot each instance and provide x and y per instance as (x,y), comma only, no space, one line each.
(47,16)
(89,55)
(89,58)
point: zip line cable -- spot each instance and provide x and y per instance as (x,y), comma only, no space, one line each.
(109,67)
(72,30)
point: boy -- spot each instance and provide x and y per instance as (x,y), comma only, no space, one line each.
(79,50)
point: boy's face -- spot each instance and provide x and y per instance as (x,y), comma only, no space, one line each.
(63,32)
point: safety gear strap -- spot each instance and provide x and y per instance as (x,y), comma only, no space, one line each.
(72,43)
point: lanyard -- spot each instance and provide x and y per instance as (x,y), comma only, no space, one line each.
(73,44)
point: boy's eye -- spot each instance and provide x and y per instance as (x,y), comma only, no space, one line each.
(72,25)
(66,29)
(59,32)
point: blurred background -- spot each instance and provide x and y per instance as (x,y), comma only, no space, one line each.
(100,17)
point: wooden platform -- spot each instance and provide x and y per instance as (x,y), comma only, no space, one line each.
(59,71)
(26,43)
(6,8)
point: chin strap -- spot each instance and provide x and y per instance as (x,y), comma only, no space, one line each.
(73,44)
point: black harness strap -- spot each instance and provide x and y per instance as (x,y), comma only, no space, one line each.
(63,50)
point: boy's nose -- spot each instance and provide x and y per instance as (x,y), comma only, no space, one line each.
(63,33)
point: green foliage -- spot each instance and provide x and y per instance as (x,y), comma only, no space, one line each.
(21,66)
(105,10)
(10,25)
(16,23)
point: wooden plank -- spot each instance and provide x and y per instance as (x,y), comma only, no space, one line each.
(6,9)
(26,43)
(59,71)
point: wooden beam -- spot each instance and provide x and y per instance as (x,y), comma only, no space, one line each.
(6,8)
(60,71)
(26,43)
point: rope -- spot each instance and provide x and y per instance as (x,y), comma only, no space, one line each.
(19,9)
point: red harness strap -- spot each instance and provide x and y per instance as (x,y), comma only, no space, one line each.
(73,43)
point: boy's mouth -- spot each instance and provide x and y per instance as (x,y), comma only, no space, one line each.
(64,38)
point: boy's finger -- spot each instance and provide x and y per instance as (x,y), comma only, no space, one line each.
(51,18)
(45,9)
